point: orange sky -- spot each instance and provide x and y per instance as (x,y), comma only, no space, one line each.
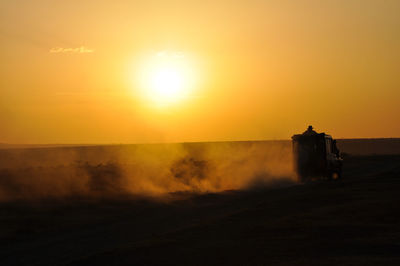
(264,69)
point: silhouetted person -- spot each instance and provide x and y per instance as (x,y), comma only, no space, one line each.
(309,131)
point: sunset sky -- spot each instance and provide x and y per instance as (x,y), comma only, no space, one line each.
(171,71)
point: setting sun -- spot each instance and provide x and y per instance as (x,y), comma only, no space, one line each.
(167,83)
(166,78)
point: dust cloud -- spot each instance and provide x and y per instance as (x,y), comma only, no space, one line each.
(151,169)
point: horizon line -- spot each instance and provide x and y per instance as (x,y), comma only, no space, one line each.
(172,142)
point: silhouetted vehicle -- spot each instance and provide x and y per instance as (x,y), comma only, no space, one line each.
(316,156)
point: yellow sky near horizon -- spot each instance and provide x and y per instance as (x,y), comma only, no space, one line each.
(263,69)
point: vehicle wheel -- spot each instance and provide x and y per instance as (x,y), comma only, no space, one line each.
(335,176)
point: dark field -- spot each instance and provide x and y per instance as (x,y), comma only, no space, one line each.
(268,219)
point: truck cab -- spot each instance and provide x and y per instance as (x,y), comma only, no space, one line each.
(316,156)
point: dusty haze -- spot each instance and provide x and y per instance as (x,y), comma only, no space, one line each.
(155,169)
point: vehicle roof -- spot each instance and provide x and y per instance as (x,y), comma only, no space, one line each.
(303,136)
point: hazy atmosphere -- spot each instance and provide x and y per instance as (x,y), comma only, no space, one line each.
(224,132)
(175,71)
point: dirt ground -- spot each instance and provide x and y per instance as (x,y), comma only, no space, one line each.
(355,221)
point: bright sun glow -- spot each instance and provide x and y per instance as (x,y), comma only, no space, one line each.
(167,83)
(166,78)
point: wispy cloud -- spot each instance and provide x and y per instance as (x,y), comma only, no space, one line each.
(78,50)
